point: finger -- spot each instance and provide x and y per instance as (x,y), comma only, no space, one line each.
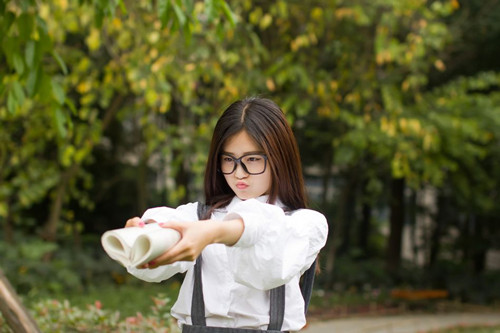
(177,253)
(173,225)
(134,222)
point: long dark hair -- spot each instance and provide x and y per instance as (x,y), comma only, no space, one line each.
(265,122)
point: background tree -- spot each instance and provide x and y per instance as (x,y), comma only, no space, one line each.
(105,116)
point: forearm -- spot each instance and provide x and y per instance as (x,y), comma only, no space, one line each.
(227,232)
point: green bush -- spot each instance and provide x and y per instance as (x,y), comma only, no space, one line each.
(37,268)
(60,316)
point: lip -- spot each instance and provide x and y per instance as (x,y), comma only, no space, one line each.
(241,185)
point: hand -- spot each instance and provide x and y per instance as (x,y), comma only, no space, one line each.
(195,236)
(137,222)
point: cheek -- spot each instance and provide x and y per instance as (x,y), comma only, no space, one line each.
(267,181)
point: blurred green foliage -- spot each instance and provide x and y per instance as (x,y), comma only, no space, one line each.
(107,108)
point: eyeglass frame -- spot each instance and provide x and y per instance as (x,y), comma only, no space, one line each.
(238,161)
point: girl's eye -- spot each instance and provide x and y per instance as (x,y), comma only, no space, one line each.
(227,159)
(253,159)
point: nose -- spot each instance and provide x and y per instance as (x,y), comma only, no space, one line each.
(240,173)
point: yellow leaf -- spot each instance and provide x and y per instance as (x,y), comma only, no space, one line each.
(403,125)
(44,11)
(439,64)
(415,126)
(83,87)
(116,23)
(270,84)
(154,37)
(189,67)
(317,13)
(94,39)
(344,12)
(427,141)
(255,15)
(153,53)
(334,85)
(151,97)
(265,21)
(388,126)
(321,89)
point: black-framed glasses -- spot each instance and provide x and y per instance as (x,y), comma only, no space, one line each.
(253,164)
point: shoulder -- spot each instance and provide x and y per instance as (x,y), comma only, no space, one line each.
(311,217)
(307,212)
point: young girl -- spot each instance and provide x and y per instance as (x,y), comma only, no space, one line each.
(255,240)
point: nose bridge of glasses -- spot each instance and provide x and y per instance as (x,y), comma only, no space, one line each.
(239,162)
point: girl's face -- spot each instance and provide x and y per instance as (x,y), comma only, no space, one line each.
(250,183)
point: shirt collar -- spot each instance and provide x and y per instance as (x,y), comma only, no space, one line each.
(262,198)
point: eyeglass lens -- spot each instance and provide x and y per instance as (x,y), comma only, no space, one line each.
(252,164)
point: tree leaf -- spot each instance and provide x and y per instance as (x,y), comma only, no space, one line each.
(30,53)
(210,9)
(18,92)
(181,17)
(25,24)
(228,13)
(60,120)
(32,82)
(18,63)
(60,61)
(164,12)
(58,91)
(11,102)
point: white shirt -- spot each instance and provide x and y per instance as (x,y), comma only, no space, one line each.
(274,249)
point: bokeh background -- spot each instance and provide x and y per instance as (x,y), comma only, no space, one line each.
(107,108)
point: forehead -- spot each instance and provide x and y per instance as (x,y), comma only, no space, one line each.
(241,143)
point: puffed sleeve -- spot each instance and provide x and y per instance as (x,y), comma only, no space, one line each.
(163,214)
(274,247)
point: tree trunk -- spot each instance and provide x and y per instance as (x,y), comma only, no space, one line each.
(347,211)
(50,232)
(412,220)
(331,246)
(438,230)
(16,315)
(331,255)
(365,230)
(480,246)
(396,225)
(327,175)
(50,228)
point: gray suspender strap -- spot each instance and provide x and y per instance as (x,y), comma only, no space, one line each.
(307,285)
(277,308)
(197,303)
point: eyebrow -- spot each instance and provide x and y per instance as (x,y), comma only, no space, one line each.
(256,152)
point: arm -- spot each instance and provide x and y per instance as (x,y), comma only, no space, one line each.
(274,247)
(195,236)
